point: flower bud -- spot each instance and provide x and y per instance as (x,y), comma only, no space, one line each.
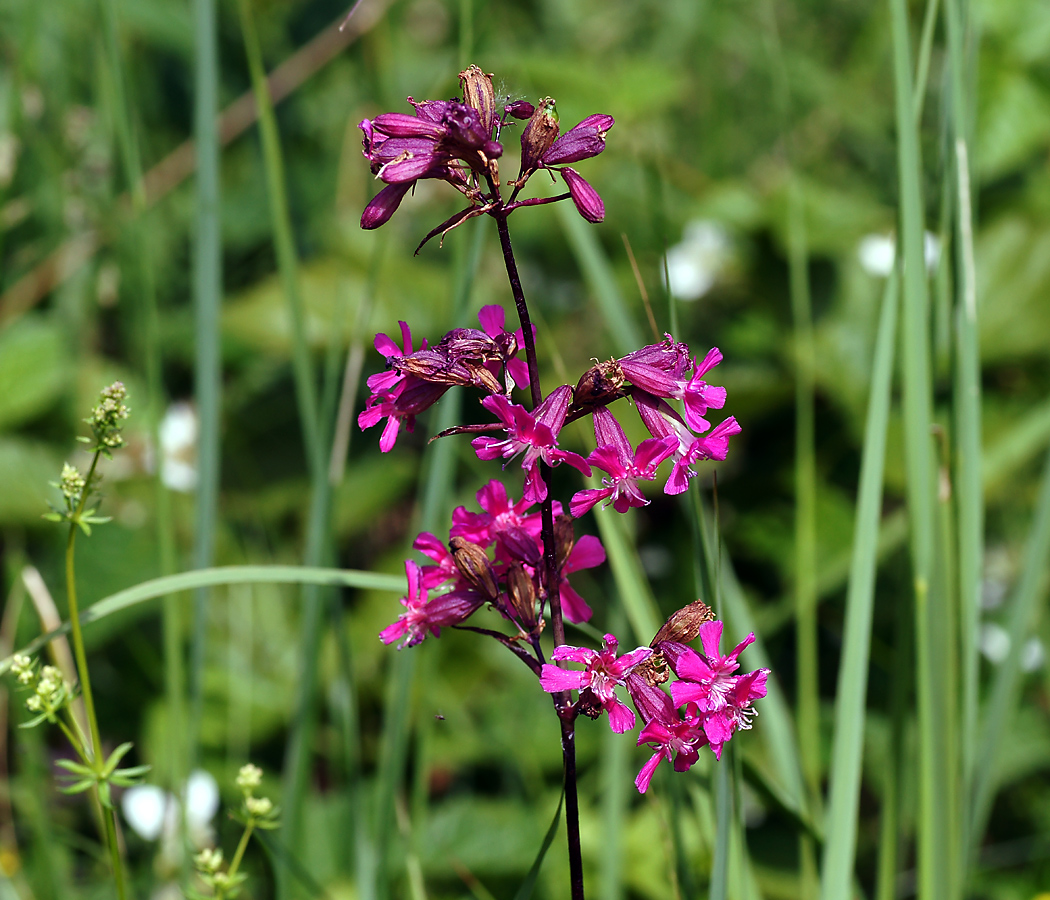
(519,109)
(538,136)
(478,93)
(384,204)
(249,778)
(684,625)
(564,539)
(521,590)
(585,197)
(473,564)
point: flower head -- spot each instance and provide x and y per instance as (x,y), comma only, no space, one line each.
(533,435)
(422,615)
(107,418)
(603,671)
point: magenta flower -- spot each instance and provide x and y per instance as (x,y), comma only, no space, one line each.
(505,524)
(445,569)
(614,455)
(422,615)
(492,320)
(586,553)
(604,670)
(533,434)
(657,368)
(670,736)
(698,396)
(707,679)
(737,714)
(662,421)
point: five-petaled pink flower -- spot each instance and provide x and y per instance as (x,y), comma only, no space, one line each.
(534,434)
(604,670)
(422,615)
(707,679)
(614,455)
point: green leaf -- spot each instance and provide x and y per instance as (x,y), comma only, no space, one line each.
(78,787)
(171,584)
(525,891)
(76,768)
(115,757)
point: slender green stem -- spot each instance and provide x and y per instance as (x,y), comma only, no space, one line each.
(95,748)
(241,847)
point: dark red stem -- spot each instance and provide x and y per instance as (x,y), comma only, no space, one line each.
(562,701)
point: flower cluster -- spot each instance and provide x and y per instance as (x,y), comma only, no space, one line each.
(107,418)
(458,142)
(463,576)
(49,693)
(715,703)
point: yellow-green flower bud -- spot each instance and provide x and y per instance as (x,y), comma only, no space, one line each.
(258,807)
(22,666)
(71,484)
(249,778)
(107,418)
(208,860)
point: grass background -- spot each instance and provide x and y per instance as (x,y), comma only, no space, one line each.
(799,129)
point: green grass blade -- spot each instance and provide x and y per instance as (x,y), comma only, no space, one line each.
(934,850)
(284,243)
(776,729)
(198,578)
(967,408)
(527,886)
(1006,687)
(850,701)
(599,275)
(723,797)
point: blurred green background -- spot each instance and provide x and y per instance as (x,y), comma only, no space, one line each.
(721,108)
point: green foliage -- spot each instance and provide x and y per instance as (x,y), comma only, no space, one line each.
(699,136)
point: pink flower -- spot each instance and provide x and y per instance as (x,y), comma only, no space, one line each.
(502,523)
(431,545)
(533,434)
(681,738)
(613,455)
(697,395)
(586,553)
(604,670)
(707,679)
(737,714)
(422,615)
(492,320)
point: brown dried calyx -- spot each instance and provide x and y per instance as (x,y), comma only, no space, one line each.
(600,384)
(682,627)
(478,93)
(521,593)
(473,564)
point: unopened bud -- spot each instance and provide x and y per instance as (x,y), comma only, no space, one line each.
(522,593)
(519,109)
(564,539)
(473,564)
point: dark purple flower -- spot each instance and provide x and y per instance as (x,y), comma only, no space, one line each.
(585,197)
(581,142)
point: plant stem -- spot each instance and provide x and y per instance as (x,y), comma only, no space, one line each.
(94,749)
(566,715)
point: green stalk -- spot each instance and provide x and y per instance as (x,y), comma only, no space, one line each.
(850,700)
(284,244)
(967,407)
(1006,687)
(207,302)
(723,794)
(95,748)
(934,825)
(300,738)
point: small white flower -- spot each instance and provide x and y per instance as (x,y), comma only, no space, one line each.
(877,253)
(1033,655)
(152,812)
(994,642)
(694,265)
(178,447)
